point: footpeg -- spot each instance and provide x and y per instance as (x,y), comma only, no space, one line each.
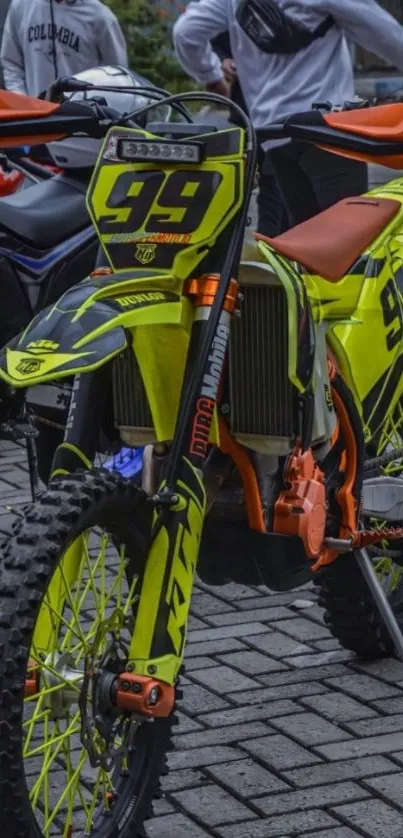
(382,497)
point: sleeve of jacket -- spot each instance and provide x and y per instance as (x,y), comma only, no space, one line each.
(192,33)
(112,47)
(370,26)
(12,59)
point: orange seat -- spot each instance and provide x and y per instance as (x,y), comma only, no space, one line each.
(330,243)
(384,122)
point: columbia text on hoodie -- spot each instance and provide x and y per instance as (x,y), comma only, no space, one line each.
(45,39)
(275,86)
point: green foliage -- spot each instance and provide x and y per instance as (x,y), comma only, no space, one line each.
(148,32)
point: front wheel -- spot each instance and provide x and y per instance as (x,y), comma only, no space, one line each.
(71,762)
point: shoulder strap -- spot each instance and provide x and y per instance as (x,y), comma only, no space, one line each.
(323,27)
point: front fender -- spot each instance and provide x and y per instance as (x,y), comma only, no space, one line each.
(81,332)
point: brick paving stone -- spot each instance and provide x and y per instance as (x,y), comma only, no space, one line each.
(247,778)
(319,658)
(200,663)
(199,757)
(197,700)
(268,614)
(391,706)
(213,805)
(362,747)
(186,724)
(162,807)
(236,715)
(339,832)
(277,645)
(309,729)
(247,630)
(329,645)
(293,676)
(232,733)
(388,669)
(348,769)
(223,679)
(338,707)
(279,752)
(274,693)
(252,663)
(303,629)
(184,779)
(272,599)
(291,825)
(377,727)
(389,786)
(175,826)
(373,817)
(364,687)
(214,647)
(205,604)
(196,623)
(324,796)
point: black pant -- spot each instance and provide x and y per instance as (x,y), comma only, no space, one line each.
(272,212)
(311,180)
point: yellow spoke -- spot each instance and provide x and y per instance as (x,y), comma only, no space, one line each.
(73,779)
(42,748)
(71,603)
(48,762)
(91,573)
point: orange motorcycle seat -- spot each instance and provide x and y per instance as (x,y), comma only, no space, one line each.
(332,241)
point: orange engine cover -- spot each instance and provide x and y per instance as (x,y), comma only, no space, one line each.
(301,509)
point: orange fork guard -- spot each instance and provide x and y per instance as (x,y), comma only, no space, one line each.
(144,695)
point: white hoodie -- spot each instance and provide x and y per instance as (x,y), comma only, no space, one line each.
(45,39)
(275,86)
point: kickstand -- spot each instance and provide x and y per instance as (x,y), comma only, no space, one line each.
(381,601)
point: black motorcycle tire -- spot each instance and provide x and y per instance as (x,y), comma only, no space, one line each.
(350,611)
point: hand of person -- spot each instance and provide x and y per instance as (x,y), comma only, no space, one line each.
(229,70)
(221,87)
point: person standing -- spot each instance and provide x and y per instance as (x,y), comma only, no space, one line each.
(272,214)
(46,39)
(295,58)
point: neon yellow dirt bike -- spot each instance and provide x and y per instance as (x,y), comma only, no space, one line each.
(255,429)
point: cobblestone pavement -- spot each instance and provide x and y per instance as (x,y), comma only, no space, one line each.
(281,732)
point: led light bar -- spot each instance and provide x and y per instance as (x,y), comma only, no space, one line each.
(160,150)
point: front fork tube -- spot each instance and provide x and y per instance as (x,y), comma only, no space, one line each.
(77,451)
(84,422)
(158,642)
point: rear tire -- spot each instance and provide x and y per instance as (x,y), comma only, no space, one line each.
(67,510)
(350,611)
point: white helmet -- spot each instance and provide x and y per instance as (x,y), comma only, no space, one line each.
(82,152)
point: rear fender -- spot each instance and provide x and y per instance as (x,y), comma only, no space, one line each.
(88,327)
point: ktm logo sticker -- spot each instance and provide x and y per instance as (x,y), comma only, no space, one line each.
(43,347)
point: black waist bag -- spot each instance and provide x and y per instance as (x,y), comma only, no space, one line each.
(275,32)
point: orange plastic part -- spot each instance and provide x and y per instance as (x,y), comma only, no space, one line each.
(9,182)
(32,682)
(19,106)
(301,509)
(253,502)
(205,288)
(136,694)
(394,161)
(384,122)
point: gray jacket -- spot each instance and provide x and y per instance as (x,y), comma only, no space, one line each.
(44,39)
(275,86)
